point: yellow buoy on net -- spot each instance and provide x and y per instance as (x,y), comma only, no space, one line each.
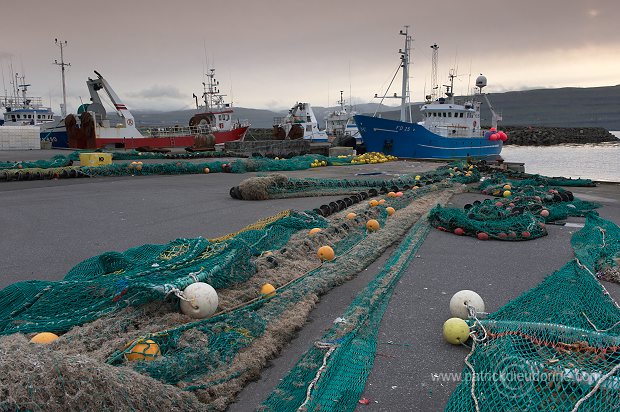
(326,253)
(390,210)
(382,201)
(267,290)
(314,231)
(145,350)
(456,331)
(351,215)
(507,193)
(44,338)
(373,203)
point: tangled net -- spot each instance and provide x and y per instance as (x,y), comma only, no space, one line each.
(519,214)
(557,346)
(109,304)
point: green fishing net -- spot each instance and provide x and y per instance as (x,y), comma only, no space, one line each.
(113,280)
(557,346)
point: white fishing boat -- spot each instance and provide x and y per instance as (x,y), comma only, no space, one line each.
(26,119)
(91,128)
(299,123)
(340,122)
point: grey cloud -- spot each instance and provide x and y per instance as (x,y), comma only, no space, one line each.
(156,91)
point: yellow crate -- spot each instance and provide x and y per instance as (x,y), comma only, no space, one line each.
(95,159)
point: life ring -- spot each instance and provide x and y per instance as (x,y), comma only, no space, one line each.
(129,122)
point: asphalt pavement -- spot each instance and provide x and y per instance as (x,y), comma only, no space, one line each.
(49,226)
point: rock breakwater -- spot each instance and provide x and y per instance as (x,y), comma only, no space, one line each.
(547,136)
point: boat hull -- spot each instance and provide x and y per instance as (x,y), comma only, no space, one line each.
(58,138)
(135,142)
(170,141)
(231,135)
(411,140)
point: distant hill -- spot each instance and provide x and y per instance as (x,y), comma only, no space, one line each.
(565,107)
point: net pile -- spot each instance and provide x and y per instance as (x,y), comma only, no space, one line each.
(556,347)
(56,161)
(203,364)
(280,186)
(122,300)
(113,280)
(61,166)
(520,213)
(331,375)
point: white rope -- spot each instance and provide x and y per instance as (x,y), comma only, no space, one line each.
(473,376)
(598,384)
(473,315)
(194,277)
(597,329)
(179,294)
(320,345)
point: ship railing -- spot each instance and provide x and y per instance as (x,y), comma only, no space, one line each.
(241,123)
(175,131)
(279,120)
(18,101)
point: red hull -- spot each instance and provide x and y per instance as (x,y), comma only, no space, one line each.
(129,143)
(231,135)
(176,141)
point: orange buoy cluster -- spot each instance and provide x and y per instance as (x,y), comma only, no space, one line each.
(135,165)
(493,135)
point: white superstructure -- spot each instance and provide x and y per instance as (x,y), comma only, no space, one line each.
(340,122)
(301,122)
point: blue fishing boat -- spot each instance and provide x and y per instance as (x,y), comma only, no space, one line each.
(24,110)
(448,130)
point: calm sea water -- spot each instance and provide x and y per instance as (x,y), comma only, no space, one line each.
(589,161)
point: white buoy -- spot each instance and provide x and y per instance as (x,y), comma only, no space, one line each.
(461,300)
(200,300)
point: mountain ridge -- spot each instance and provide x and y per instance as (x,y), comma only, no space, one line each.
(561,107)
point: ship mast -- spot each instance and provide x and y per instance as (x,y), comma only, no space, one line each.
(23,88)
(404,58)
(211,94)
(62,64)
(435,62)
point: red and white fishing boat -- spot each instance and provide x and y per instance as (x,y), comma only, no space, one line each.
(217,115)
(91,128)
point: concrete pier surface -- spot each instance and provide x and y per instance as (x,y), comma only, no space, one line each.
(49,226)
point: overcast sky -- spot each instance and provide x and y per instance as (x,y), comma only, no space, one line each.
(273,53)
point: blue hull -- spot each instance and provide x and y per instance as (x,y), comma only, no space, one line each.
(412,140)
(58,137)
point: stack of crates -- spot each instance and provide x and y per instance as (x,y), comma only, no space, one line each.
(20,138)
